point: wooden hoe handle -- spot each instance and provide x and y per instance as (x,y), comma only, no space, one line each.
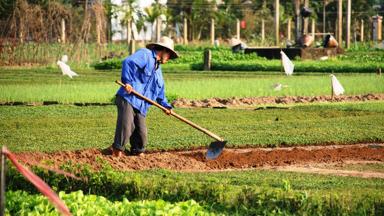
(209,133)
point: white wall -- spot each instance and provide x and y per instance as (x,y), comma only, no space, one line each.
(120,32)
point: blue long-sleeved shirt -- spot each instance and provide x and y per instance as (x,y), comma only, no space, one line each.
(141,72)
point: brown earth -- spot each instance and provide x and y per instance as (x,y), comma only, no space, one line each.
(229,102)
(254,101)
(285,159)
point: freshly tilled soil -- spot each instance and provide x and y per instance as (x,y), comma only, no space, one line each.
(194,160)
(229,102)
(255,101)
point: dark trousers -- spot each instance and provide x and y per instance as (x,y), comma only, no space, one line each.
(130,126)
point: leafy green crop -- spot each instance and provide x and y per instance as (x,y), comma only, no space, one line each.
(38,85)
(22,203)
(329,66)
(224,59)
(254,192)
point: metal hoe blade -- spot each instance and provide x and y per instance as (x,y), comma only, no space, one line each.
(215,149)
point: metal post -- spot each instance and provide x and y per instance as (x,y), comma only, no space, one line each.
(2,183)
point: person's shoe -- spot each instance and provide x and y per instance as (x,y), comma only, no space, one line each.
(135,153)
(116,152)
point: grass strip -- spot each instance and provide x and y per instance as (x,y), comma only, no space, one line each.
(57,127)
(38,85)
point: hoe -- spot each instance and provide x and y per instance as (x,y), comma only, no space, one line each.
(214,149)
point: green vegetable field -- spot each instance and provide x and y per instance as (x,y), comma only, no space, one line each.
(297,150)
(47,84)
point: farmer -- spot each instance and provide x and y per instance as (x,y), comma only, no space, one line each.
(140,72)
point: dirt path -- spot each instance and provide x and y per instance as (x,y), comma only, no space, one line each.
(234,102)
(328,171)
(255,101)
(298,159)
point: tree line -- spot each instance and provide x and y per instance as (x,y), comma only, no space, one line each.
(90,20)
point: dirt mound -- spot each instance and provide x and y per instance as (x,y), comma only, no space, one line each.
(253,101)
(195,160)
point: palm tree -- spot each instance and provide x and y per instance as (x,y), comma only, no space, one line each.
(140,23)
(129,8)
(154,13)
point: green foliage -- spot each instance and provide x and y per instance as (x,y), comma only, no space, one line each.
(331,66)
(197,47)
(53,128)
(364,56)
(38,85)
(109,64)
(22,203)
(236,192)
(6,7)
(224,59)
(367,62)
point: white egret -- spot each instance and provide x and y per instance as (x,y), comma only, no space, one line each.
(65,69)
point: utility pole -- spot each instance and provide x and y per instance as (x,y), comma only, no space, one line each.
(306,19)
(289,29)
(238,29)
(297,20)
(313,28)
(348,42)
(340,23)
(362,30)
(277,16)
(212,31)
(129,31)
(62,31)
(324,15)
(158,28)
(262,30)
(185,33)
